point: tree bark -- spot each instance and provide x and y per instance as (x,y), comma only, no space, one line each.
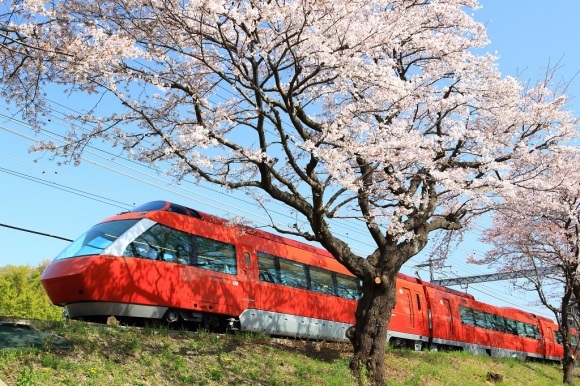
(568,365)
(369,335)
(568,360)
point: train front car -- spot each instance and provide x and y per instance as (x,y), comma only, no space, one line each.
(138,265)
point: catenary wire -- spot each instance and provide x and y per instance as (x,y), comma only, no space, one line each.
(220,205)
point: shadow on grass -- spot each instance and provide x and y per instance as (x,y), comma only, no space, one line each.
(16,335)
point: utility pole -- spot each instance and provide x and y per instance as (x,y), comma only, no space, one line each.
(429,264)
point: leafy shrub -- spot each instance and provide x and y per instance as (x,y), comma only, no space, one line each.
(22,294)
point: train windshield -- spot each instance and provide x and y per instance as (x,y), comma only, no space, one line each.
(96,239)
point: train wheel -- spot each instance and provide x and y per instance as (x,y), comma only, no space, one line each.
(171,316)
(213,323)
(232,325)
(350,333)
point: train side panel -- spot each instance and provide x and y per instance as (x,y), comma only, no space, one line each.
(284,304)
(483,329)
(409,321)
(134,281)
(445,330)
(553,349)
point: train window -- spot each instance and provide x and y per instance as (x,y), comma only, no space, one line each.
(321,281)
(287,272)
(466,315)
(96,239)
(347,286)
(161,243)
(150,206)
(293,274)
(214,255)
(558,337)
(521,328)
(183,210)
(178,209)
(499,323)
(418,302)
(494,322)
(480,319)
(490,321)
(512,326)
(269,269)
(533,331)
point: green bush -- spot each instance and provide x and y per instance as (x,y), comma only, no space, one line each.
(22,294)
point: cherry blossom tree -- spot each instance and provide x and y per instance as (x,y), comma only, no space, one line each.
(378,111)
(537,230)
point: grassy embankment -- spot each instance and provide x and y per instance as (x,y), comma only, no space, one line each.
(128,356)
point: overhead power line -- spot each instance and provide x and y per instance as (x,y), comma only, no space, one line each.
(221,205)
(68,189)
(35,232)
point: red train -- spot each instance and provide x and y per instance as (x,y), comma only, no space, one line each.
(167,262)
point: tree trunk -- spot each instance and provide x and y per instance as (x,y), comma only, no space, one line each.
(369,335)
(564,329)
(568,365)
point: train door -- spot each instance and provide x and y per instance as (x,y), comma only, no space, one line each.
(550,348)
(548,340)
(247,276)
(413,312)
(406,307)
(420,314)
(446,319)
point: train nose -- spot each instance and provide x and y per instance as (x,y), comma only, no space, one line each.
(63,281)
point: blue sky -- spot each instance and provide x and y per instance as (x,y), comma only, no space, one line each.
(65,201)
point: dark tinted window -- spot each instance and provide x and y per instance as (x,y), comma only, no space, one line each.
(159,205)
(473,317)
(499,323)
(277,270)
(512,326)
(269,270)
(161,243)
(480,319)
(293,274)
(521,329)
(347,286)
(466,315)
(183,210)
(215,255)
(321,281)
(558,337)
(532,331)
(171,245)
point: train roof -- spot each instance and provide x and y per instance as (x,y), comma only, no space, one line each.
(529,314)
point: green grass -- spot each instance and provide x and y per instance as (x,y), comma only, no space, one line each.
(128,356)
